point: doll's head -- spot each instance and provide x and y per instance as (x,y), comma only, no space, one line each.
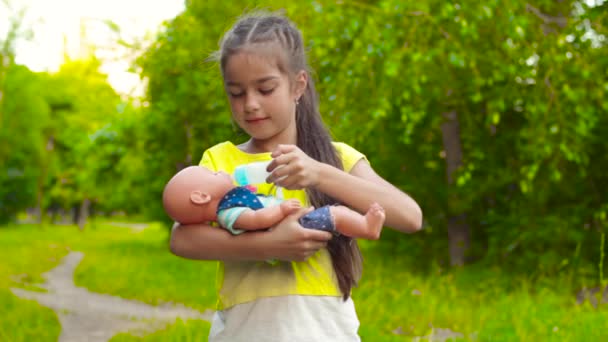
(193,194)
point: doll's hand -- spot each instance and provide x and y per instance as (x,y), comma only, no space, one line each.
(290,206)
(293,169)
(289,241)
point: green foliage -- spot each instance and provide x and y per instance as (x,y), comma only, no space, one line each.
(23,115)
(188,111)
(527,81)
(116,157)
(518,74)
(83,103)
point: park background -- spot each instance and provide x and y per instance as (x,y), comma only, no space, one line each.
(492,114)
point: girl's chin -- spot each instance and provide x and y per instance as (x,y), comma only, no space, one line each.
(260,132)
(257,135)
(268,135)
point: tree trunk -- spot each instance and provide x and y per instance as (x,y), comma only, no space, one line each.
(50,146)
(75,213)
(459,235)
(83,213)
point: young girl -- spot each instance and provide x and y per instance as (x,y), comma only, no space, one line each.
(273,99)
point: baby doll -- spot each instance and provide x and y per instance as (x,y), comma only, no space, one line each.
(197,194)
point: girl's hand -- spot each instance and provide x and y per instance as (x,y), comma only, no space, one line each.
(289,241)
(293,169)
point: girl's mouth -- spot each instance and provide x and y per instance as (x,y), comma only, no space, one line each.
(255,120)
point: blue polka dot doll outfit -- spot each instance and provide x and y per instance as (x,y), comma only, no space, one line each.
(240,199)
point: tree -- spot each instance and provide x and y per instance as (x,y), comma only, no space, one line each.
(22,150)
(491,94)
(83,103)
(22,116)
(188,110)
(489,113)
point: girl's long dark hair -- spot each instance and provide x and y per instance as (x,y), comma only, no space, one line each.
(275,33)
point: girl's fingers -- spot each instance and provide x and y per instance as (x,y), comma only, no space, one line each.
(299,213)
(291,168)
(282,159)
(289,185)
(282,149)
(318,238)
(280,172)
(288,180)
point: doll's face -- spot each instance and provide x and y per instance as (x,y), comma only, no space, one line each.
(215,184)
(192,195)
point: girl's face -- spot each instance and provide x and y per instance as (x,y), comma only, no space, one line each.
(262,98)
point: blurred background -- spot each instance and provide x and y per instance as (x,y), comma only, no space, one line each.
(492,114)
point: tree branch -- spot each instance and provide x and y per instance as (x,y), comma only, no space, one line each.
(547,19)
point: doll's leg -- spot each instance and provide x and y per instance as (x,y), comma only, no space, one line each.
(353,224)
(319,219)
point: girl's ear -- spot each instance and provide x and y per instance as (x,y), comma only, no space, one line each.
(199,198)
(301,81)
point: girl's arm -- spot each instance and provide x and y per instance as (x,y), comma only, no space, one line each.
(286,241)
(357,189)
(402,212)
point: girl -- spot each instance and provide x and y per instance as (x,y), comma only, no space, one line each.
(273,99)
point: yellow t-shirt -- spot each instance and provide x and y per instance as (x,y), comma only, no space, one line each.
(243,281)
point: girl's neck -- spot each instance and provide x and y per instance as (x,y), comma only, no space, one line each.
(261,146)
(286,137)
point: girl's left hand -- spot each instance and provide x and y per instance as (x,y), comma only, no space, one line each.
(293,169)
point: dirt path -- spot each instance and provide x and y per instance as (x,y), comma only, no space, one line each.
(94,317)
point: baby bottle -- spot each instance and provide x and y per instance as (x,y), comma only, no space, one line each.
(255,173)
(252,173)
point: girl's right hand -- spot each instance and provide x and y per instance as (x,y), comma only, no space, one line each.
(289,241)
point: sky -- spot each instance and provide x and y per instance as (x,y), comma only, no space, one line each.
(56,27)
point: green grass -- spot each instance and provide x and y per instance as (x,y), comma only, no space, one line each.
(24,321)
(481,303)
(181,331)
(26,254)
(119,261)
(140,267)
(398,299)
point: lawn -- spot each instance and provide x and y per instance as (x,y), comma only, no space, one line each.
(397,300)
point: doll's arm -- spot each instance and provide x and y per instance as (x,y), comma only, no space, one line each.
(266,217)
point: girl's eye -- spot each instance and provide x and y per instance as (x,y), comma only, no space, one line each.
(236,94)
(266,91)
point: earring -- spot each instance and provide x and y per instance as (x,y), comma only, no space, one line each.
(297,101)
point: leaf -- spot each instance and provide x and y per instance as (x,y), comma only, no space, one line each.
(456,60)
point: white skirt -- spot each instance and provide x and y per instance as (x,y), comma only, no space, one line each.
(287,318)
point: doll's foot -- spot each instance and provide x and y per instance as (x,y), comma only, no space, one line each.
(375,217)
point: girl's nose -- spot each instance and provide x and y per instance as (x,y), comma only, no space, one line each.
(251,103)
